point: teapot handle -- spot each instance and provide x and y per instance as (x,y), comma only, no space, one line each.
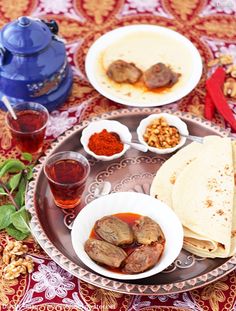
(52,25)
(2,55)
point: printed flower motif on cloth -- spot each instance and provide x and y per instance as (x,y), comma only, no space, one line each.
(98,10)
(107,298)
(100,299)
(55,7)
(5,135)
(220,6)
(6,290)
(12,10)
(76,302)
(230,50)
(53,280)
(132,7)
(218,296)
(142,6)
(164,298)
(214,293)
(59,122)
(210,25)
(187,303)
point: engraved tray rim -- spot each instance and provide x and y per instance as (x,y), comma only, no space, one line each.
(92,277)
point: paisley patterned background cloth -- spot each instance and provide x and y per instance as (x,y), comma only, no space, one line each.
(211,26)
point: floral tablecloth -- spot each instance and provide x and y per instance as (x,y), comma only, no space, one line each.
(211,26)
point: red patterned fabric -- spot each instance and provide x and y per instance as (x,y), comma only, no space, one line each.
(210,25)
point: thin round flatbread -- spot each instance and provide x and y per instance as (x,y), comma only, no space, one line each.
(233,232)
(166,176)
(203,196)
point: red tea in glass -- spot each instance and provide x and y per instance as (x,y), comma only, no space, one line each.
(28,130)
(67,173)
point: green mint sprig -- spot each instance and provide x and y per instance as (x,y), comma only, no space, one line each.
(14,175)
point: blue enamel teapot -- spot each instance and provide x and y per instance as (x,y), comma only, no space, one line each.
(33,63)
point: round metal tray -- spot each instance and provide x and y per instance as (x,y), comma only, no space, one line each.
(132,172)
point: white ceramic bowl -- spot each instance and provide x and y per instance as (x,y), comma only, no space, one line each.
(171,120)
(110,126)
(131,202)
(171,48)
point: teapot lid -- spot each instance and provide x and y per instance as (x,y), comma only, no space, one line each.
(25,36)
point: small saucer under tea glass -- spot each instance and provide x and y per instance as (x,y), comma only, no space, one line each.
(28,130)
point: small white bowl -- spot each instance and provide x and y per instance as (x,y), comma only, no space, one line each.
(110,126)
(171,120)
(128,202)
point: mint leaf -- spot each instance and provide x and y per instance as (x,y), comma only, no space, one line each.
(6,212)
(20,195)
(20,220)
(11,166)
(14,181)
(18,235)
(27,156)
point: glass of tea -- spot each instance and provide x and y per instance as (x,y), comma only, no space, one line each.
(67,172)
(28,130)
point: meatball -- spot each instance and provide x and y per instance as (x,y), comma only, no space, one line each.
(147,231)
(143,258)
(105,253)
(114,230)
(121,71)
(159,75)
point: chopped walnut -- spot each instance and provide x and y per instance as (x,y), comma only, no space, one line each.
(221,60)
(230,87)
(17,267)
(213,62)
(220,212)
(14,264)
(232,71)
(12,250)
(160,135)
(226,59)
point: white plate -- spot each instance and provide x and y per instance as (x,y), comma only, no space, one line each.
(144,45)
(128,202)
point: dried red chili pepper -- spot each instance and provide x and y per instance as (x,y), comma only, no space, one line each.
(218,98)
(219,77)
(209,110)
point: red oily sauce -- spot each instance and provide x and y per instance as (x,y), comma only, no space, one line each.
(130,219)
(141,86)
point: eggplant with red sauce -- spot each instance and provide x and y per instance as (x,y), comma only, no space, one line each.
(143,258)
(105,253)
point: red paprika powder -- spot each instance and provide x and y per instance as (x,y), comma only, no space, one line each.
(105,143)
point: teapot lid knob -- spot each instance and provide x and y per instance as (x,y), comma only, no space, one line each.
(24,21)
(25,36)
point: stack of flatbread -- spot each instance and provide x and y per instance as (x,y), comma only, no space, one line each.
(198,184)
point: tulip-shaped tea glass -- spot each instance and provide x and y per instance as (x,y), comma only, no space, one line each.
(67,172)
(28,130)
